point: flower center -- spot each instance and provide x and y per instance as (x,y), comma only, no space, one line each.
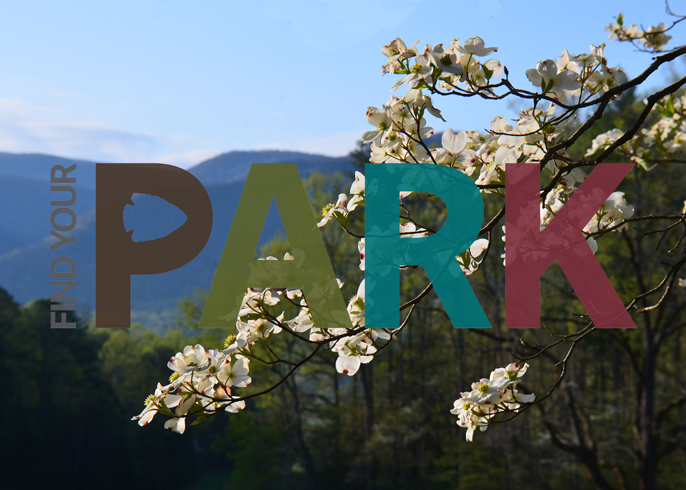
(232,338)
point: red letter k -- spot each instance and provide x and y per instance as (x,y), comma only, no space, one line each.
(530,251)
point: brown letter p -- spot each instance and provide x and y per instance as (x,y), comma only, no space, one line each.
(117,256)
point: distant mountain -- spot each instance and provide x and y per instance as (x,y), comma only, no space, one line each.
(37,166)
(25,254)
(222,168)
(25,205)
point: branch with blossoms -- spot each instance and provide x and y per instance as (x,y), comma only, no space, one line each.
(489,397)
(207,382)
(650,40)
(573,82)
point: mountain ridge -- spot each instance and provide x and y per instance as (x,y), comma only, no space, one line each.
(25,269)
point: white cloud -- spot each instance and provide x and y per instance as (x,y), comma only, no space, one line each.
(26,128)
(335,145)
(189,158)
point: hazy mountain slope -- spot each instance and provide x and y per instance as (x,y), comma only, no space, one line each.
(25,204)
(25,272)
(37,166)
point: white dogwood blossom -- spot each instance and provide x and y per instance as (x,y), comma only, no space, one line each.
(488,397)
(553,80)
(654,38)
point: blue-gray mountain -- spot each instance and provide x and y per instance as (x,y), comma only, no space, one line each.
(25,254)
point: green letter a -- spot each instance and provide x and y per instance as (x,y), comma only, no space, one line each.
(311,270)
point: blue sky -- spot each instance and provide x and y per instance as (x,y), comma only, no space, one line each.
(179,81)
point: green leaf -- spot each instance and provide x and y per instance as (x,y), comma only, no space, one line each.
(341,218)
(199,419)
(488,73)
(642,163)
(551,83)
(164,410)
(670,106)
(546,86)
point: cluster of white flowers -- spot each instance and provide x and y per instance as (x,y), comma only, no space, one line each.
(458,68)
(200,386)
(603,140)
(202,380)
(654,38)
(568,76)
(400,127)
(451,67)
(344,206)
(489,397)
(613,212)
(664,141)
(353,349)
